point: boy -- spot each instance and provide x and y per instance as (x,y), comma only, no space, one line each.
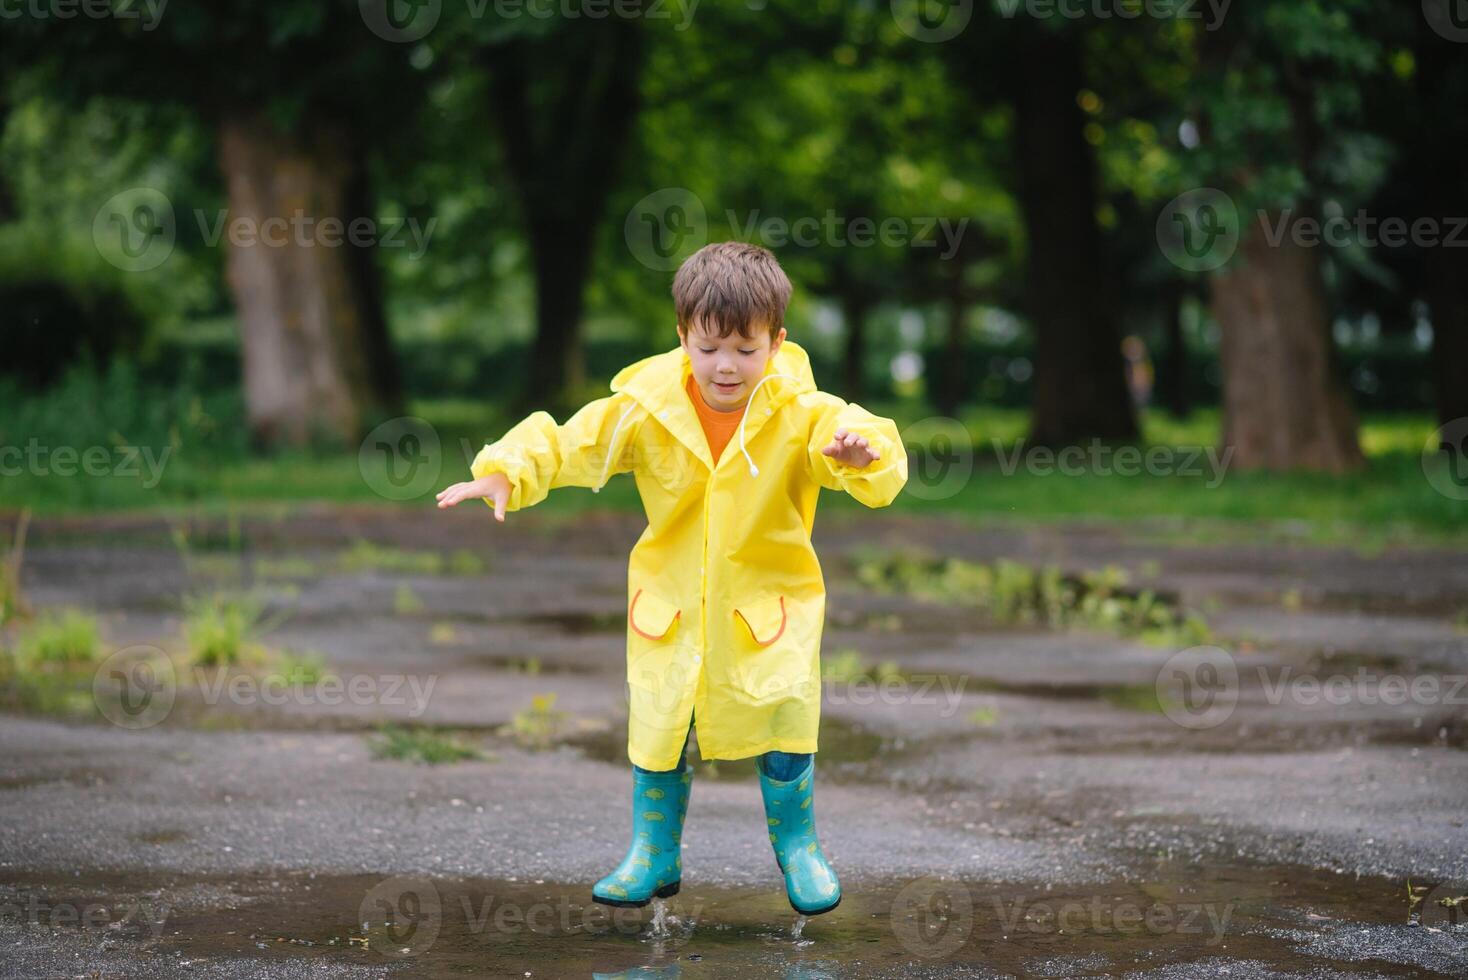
(725,596)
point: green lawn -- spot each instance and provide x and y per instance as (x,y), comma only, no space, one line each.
(1187,495)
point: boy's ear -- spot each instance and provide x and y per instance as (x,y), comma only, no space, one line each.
(775,344)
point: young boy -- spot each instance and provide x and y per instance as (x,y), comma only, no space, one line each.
(725,597)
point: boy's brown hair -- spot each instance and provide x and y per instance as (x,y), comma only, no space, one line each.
(729,286)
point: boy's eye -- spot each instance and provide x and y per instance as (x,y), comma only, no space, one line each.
(707,350)
(746,352)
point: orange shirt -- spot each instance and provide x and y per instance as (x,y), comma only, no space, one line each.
(718,427)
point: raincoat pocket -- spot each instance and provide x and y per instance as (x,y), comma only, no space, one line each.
(776,648)
(655,681)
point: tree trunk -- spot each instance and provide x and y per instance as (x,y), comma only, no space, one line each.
(1080,381)
(565,105)
(1283,405)
(1447,298)
(1172,373)
(954,372)
(316,355)
(1435,169)
(854,306)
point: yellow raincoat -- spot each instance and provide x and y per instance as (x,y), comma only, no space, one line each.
(725,599)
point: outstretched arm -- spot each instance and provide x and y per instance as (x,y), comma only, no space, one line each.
(537,455)
(853,450)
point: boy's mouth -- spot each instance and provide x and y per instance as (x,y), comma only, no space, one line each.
(727,389)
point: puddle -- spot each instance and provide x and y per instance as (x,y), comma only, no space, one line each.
(1260,919)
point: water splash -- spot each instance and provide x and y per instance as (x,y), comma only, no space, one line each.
(664,924)
(799,927)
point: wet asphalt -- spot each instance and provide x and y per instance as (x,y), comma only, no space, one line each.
(1020,803)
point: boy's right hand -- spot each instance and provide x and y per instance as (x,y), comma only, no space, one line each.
(494,487)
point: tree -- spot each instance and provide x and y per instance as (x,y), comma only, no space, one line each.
(296,93)
(565,100)
(1039,70)
(1275,99)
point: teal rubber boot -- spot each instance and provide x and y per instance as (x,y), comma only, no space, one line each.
(653,867)
(790,811)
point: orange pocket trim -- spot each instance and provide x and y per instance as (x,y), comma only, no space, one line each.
(632,621)
(784,618)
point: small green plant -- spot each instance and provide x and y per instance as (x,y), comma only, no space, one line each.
(983,717)
(465,562)
(220,628)
(12,603)
(284,567)
(1415,895)
(1292,600)
(421,745)
(52,665)
(405,601)
(65,638)
(848,665)
(1014,593)
(364,556)
(298,669)
(538,725)
(443,634)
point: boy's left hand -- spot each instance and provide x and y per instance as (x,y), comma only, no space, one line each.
(851,449)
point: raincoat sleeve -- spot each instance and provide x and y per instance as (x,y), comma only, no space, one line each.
(875,485)
(537,455)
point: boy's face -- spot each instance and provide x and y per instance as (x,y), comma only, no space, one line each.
(726,369)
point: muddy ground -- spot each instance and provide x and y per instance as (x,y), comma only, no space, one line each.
(1016,801)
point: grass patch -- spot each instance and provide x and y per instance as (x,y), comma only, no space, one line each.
(64,638)
(364,556)
(221,628)
(50,668)
(422,745)
(847,666)
(298,669)
(1012,593)
(405,601)
(12,602)
(539,725)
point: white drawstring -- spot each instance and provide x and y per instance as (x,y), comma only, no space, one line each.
(754,470)
(610,446)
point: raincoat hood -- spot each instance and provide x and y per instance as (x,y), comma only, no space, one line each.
(657,383)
